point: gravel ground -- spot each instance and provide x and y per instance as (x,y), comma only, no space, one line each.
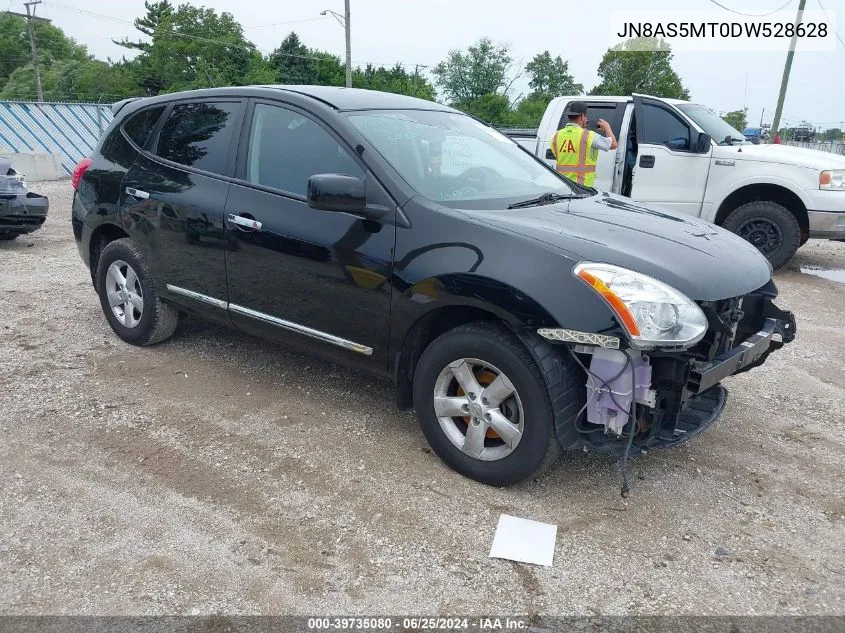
(221,473)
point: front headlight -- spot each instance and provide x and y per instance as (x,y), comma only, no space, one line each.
(653,313)
(832,179)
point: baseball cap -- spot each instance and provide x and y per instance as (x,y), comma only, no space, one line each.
(576,107)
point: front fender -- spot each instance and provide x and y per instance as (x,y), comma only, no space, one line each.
(727,189)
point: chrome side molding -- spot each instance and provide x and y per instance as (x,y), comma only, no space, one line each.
(261,316)
(301,329)
(197,296)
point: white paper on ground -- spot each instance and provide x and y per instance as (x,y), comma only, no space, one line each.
(524,540)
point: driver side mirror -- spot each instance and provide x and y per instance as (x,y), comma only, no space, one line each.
(702,143)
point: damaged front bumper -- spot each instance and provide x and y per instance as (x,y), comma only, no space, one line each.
(676,394)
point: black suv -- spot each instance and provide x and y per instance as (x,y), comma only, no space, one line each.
(517,312)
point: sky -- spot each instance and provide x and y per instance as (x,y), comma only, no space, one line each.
(422,33)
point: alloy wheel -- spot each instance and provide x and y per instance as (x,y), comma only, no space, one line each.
(479,409)
(124,293)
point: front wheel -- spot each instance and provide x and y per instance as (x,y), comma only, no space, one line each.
(769,226)
(483,405)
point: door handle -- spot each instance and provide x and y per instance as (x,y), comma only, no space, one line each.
(647,161)
(245,222)
(137,193)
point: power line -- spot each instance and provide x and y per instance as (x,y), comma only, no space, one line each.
(752,15)
(249,46)
(832,25)
(263,26)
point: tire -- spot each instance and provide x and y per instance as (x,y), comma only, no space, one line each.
(489,350)
(139,316)
(8,237)
(769,226)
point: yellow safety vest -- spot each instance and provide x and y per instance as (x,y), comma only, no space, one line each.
(576,159)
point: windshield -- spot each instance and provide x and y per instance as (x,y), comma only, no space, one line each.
(451,157)
(713,124)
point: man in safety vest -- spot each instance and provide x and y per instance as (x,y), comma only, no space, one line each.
(576,149)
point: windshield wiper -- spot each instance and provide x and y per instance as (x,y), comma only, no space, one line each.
(730,139)
(546,198)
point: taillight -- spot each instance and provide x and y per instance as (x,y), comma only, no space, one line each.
(79,171)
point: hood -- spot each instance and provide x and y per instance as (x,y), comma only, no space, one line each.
(701,260)
(784,154)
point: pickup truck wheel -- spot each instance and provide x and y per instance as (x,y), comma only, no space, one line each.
(483,405)
(128,296)
(5,237)
(770,227)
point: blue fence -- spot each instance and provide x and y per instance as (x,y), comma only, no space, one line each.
(70,130)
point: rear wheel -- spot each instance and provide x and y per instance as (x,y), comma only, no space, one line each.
(484,406)
(769,226)
(129,298)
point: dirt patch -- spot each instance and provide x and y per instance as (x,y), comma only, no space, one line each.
(221,473)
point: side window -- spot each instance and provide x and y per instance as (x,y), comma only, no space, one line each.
(199,135)
(599,110)
(140,124)
(662,127)
(286,148)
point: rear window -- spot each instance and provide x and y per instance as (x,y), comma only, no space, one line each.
(139,125)
(199,135)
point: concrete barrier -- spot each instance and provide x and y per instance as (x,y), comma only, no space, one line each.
(36,165)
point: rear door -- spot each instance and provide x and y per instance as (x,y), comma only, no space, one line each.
(174,196)
(314,279)
(668,172)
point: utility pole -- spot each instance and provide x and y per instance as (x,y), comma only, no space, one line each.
(344,21)
(788,67)
(348,46)
(34,48)
(762,114)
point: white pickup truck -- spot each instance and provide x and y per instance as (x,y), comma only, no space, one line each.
(682,156)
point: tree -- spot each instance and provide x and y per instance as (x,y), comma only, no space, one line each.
(15,51)
(550,77)
(394,79)
(293,62)
(738,119)
(492,108)
(190,47)
(832,134)
(639,65)
(485,68)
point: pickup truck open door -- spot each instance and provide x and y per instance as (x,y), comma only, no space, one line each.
(673,158)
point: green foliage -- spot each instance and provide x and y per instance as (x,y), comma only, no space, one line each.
(492,108)
(738,119)
(551,77)
(394,79)
(529,112)
(71,80)
(631,67)
(190,47)
(467,77)
(832,134)
(15,53)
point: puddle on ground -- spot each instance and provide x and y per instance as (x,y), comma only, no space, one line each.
(825,273)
